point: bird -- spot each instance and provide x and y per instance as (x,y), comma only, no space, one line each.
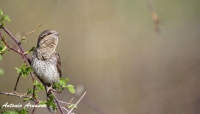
(46,62)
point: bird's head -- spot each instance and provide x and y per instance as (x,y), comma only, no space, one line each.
(46,45)
(48,39)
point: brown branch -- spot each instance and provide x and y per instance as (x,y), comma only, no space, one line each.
(27,61)
(4,41)
(15,88)
(34,108)
(9,47)
(21,95)
(18,43)
(56,99)
(24,56)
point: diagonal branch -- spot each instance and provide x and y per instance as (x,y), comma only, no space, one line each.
(76,103)
(17,42)
(4,41)
(57,103)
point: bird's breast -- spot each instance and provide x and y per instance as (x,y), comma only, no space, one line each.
(45,70)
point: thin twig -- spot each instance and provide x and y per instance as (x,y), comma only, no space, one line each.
(34,108)
(24,56)
(64,102)
(76,103)
(33,95)
(70,102)
(4,41)
(30,32)
(65,109)
(58,103)
(17,95)
(17,82)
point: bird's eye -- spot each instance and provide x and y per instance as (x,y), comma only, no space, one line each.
(49,33)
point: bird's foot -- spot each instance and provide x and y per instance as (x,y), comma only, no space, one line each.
(49,89)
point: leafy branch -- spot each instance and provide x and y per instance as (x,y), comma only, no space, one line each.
(26,70)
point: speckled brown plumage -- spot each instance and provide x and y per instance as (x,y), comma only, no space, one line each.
(46,61)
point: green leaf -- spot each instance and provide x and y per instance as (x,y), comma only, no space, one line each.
(9,112)
(66,80)
(18,70)
(2,24)
(61,85)
(28,69)
(39,86)
(30,50)
(50,102)
(29,90)
(56,85)
(23,39)
(24,70)
(36,96)
(1,71)
(22,111)
(25,99)
(35,82)
(62,82)
(7,18)
(0,57)
(3,50)
(64,86)
(72,106)
(43,102)
(71,88)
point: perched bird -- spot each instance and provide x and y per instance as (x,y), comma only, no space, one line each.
(46,61)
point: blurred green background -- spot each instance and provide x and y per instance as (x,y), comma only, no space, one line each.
(110,48)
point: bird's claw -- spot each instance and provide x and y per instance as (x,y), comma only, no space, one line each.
(49,89)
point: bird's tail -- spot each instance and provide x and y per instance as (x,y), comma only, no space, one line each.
(51,104)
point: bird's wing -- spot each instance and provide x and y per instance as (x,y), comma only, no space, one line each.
(58,64)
